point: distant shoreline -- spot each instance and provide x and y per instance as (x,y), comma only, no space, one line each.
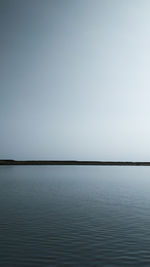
(73,162)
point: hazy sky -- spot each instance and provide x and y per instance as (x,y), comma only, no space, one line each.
(75,79)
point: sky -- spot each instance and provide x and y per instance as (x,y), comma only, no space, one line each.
(75,79)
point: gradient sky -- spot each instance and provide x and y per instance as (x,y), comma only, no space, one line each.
(75,79)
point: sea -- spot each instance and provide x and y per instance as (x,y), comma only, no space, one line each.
(74,216)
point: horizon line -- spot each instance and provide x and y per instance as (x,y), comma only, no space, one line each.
(73,162)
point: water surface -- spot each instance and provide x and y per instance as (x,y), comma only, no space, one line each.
(74,216)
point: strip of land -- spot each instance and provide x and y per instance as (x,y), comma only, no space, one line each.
(73,162)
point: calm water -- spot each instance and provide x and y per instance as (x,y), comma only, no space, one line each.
(74,216)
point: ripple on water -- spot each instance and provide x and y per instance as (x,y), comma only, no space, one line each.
(74,216)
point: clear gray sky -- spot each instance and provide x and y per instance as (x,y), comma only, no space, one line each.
(75,79)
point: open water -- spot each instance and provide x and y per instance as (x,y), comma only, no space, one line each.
(74,216)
